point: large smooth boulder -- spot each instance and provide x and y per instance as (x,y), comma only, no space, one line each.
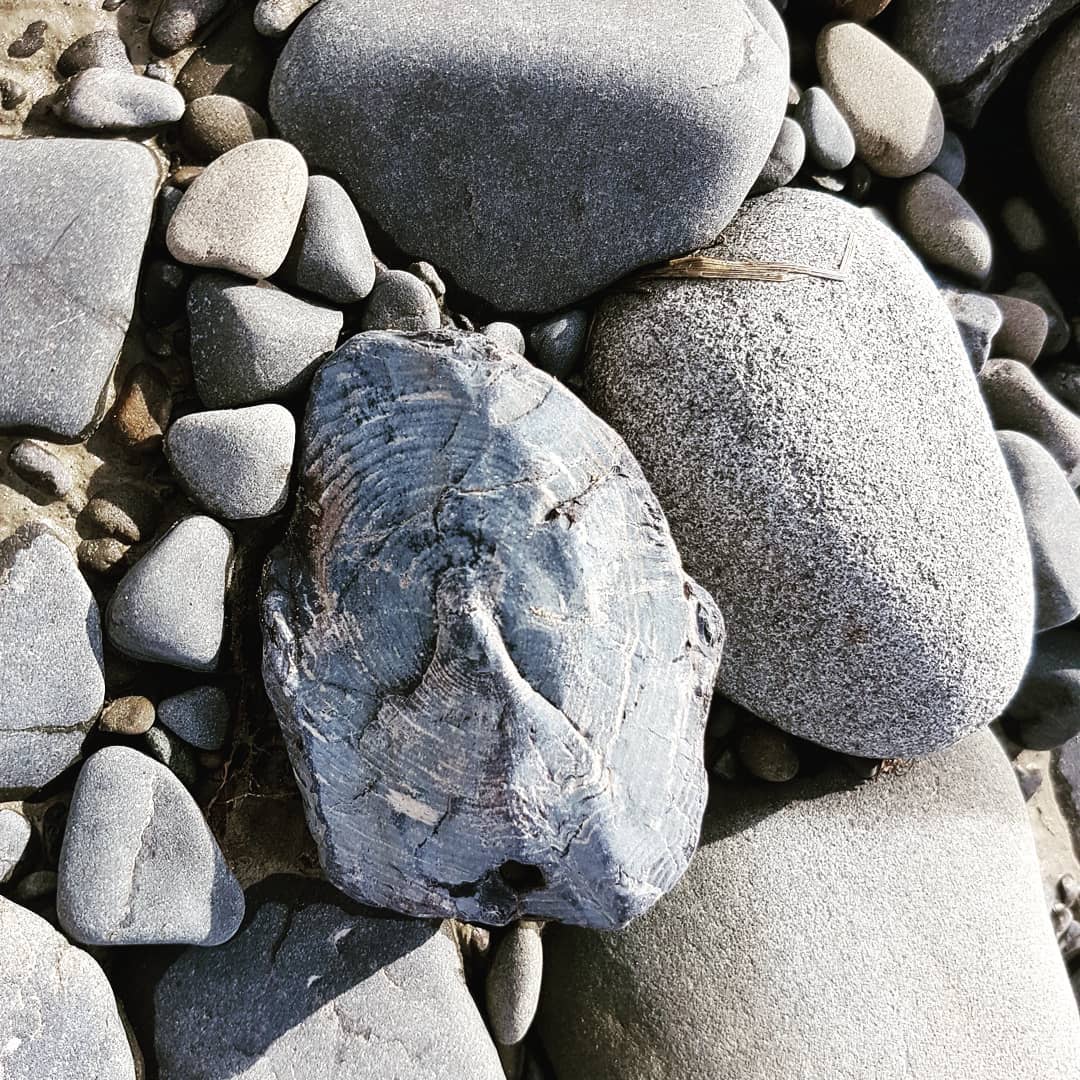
(832,477)
(312,988)
(535,154)
(896,929)
(489,666)
(73,222)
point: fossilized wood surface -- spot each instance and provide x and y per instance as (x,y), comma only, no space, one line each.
(490,668)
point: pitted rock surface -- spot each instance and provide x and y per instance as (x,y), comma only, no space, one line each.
(490,668)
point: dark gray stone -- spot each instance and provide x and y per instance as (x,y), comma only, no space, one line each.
(330,254)
(768,754)
(1023,329)
(170,606)
(724,977)
(830,476)
(978,319)
(1029,286)
(828,137)
(401,301)
(60,1018)
(138,864)
(162,292)
(308,980)
(52,684)
(521,731)
(73,221)
(100,48)
(234,462)
(35,463)
(966,47)
(104,99)
(557,344)
(178,21)
(172,752)
(1063,381)
(951,161)
(1052,515)
(214,124)
(252,343)
(1046,708)
(200,716)
(639,129)
(784,160)
(234,60)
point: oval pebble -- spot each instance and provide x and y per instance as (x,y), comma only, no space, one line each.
(942,225)
(104,99)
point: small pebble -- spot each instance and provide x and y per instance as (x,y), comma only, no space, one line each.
(1068,889)
(34,887)
(142,409)
(1060,917)
(1023,329)
(828,138)
(951,161)
(173,753)
(215,124)
(127,513)
(32,39)
(726,766)
(938,220)
(507,334)
(785,159)
(132,715)
(978,318)
(557,344)
(177,22)
(15,835)
(768,754)
(35,463)
(430,277)
(274,17)
(512,989)
(1029,286)
(1024,226)
(199,716)
(101,49)
(401,301)
(12,93)
(167,201)
(103,556)
(1030,780)
(185,176)
(233,60)
(103,99)
(162,292)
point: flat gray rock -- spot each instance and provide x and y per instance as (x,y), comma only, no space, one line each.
(659,119)
(59,1014)
(169,607)
(200,716)
(1046,709)
(490,668)
(330,254)
(241,212)
(252,343)
(234,462)
(831,476)
(831,934)
(138,865)
(15,834)
(105,99)
(73,221)
(1052,515)
(967,47)
(52,685)
(309,980)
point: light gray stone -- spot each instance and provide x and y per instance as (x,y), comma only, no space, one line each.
(659,120)
(944,228)
(1046,709)
(251,343)
(169,607)
(966,47)
(784,160)
(724,977)
(59,1015)
(275,17)
(234,462)
(330,254)
(138,865)
(401,301)
(105,99)
(831,476)
(978,318)
(512,989)
(15,835)
(311,988)
(35,463)
(828,137)
(527,629)
(73,221)
(891,109)
(557,344)
(177,22)
(51,681)
(951,162)
(200,716)
(505,333)
(241,212)
(429,276)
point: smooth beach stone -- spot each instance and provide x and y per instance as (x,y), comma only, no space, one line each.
(1046,709)
(251,343)
(1052,515)
(275,17)
(234,462)
(330,254)
(35,463)
(58,1014)
(784,160)
(52,683)
(512,988)
(215,124)
(200,716)
(967,47)
(505,333)
(942,225)
(1029,286)
(724,977)
(240,214)
(831,477)
(233,60)
(490,669)
(73,221)
(104,99)
(1063,382)
(659,118)
(177,22)
(100,49)
(891,109)
(138,865)
(312,988)
(978,318)
(557,344)
(401,301)
(15,833)
(131,715)
(1025,226)
(170,606)
(951,162)
(828,137)
(1022,334)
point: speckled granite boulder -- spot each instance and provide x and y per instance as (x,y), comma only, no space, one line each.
(831,476)
(58,1015)
(640,129)
(74,217)
(491,670)
(309,979)
(831,934)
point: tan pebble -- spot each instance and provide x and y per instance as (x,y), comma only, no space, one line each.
(127,716)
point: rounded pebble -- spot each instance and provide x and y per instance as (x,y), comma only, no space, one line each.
(215,124)
(557,344)
(1023,329)
(104,555)
(768,754)
(785,159)
(132,715)
(126,513)
(942,225)
(142,409)
(104,99)
(274,17)
(401,301)
(507,334)
(828,137)
(173,752)
(35,463)
(512,989)
(178,21)
(199,716)
(15,833)
(951,161)
(98,49)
